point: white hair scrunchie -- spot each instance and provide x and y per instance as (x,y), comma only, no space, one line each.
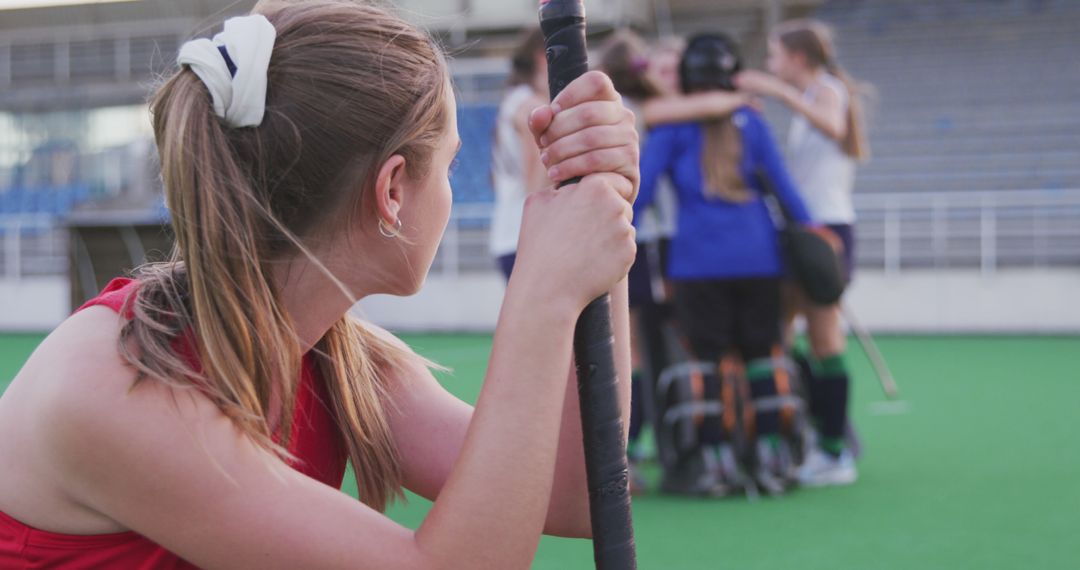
(233,66)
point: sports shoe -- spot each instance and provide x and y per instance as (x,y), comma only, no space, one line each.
(695,475)
(772,467)
(731,472)
(822,470)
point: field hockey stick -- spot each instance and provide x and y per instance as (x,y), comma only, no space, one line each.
(563,24)
(869,347)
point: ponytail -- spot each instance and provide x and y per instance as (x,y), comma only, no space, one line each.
(721,155)
(855,143)
(216,287)
(813,39)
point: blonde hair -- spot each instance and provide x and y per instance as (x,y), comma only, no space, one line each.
(814,40)
(349,85)
(721,156)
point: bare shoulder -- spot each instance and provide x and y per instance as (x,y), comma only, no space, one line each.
(88,340)
(73,399)
(88,393)
(77,366)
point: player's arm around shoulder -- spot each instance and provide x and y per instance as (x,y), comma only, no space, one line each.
(165,462)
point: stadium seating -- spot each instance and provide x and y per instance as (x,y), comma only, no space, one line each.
(51,201)
(971,95)
(471,179)
(957,102)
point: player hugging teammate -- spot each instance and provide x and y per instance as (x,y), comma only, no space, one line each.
(739,415)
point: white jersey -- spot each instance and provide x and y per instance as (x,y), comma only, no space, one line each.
(508,174)
(823,172)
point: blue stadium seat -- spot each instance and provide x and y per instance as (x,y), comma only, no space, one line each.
(66,200)
(17,201)
(49,200)
(79,192)
(7,201)
(472,178)
(31,201)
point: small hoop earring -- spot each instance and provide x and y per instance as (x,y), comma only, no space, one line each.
(387,231)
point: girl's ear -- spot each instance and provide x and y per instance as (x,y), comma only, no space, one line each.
(390,190)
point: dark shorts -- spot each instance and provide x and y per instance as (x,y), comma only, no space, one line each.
(506,264)
(846,233)
(718,315)
(663,246)
(642,274)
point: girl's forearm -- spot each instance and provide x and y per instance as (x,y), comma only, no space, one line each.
(568,514)
(696,107)
(492,509)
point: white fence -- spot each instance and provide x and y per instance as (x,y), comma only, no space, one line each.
(31,245)
(895,233)
(987,230)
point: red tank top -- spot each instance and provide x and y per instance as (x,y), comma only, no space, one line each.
(315,443)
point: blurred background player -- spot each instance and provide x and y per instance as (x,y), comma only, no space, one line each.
(724,257)
(623,59)
(652,92)
(826,139)
(516,170)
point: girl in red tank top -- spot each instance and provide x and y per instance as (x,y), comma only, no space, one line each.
(201,413)
(315,444)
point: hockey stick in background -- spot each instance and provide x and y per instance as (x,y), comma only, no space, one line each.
(869,347)
(563,24)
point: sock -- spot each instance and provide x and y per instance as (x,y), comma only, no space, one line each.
(711,430)
(833,386)
(762,379)
(807,370)
(772,439)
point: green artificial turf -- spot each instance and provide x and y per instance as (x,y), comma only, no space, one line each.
(981,470)
(15,348)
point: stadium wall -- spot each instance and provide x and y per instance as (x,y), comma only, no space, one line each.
(934,302)
(945,302)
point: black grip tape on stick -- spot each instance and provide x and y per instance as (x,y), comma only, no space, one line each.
(563,24)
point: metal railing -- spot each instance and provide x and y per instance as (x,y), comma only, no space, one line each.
(32,245)
(464,248)
(984,230)
(895,233)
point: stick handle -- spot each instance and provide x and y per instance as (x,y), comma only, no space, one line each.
(563,24)
(602,429)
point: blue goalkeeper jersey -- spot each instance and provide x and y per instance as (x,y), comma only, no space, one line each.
(715,238)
